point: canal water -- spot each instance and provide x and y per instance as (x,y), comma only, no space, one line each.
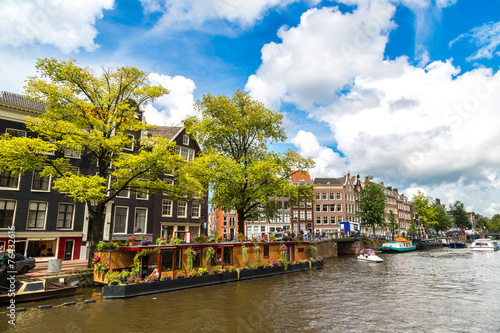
(441,290)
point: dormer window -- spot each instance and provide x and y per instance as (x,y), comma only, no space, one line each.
(185,140)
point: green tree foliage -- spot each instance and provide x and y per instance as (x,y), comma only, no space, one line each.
(459,214)
(441,220)
(236,163)
(393,223)
(494,223)
(422,208)
(413,230)
(371,205)
(94,115)
(482,223)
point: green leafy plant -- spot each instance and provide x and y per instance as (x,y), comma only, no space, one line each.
(282,250)
(180,274)
(241,237)
(209,255)
(136,266)
(244,254)
(257,250)
(99,268)
(201,239)
(312,250)
(190,255)
(113,277)
(202,271)
(161,241)
(175,241)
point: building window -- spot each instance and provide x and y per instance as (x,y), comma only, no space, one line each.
(325,219)
(166,208)
(224,221)
(318,219)
(65,216)
(302,205)
(332,196)
(286,218)
(339,196)
(72,153)
(142,194)
(185,140)
(318,208)
(7,208)
(231,221)
(16,132)
(295,215)
(40,183)
(266,251)
(302,215)
(317,196)
(339,208)
(130,143)
(309,215)
(285,205)
(120,225)
(309,204)
(181,209)
(140,220)
(187,153)
(228,255)
(7,179)
(332,208)
(324,196)
(332,220)
(325,208)
(195,210)
(36,214)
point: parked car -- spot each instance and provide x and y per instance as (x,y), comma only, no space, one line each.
(23,264)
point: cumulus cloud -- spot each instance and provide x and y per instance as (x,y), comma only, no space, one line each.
(67,25)
(196,12)
(429,127)
(172,109)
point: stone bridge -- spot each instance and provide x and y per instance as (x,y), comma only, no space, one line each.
(330,248)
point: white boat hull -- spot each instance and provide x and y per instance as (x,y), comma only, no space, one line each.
(370,258)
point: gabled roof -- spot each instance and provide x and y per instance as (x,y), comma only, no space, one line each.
(330,181)
(20,100)
(298,176)
(166,132)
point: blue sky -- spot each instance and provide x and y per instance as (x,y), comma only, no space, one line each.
(406,91)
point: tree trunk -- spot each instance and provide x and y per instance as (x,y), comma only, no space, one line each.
(96,234)
(241,221)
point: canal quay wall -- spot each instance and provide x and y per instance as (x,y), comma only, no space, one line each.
(331,248)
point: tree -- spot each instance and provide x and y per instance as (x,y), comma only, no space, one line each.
(95,116)
(423,209)
(460,216)
(393,224)
(371,205)
(236,163)
(494,223)
(441,220)
(482,223)
(413,230)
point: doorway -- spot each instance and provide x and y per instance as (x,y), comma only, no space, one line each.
(68,250)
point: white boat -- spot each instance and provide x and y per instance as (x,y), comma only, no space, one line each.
(484,244)
(369,255)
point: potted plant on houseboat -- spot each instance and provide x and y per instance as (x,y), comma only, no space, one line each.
(217,238)
(241,237)
(202,271)
(131,240)
(201,239)
(209,256)
(244,254)
(113,278)
(190,255)
(312,250)
(180,275)
(257,250)
(161,241)
(144,240)
(175,241)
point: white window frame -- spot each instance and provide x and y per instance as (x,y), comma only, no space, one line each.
(309,215)
(185,140)
(195,204)
(72,153)
(72,215)
(10,188)
(45,216)
(166,203)
(126,220)
(131,137)
(7,130)
(145,220)
(13,214)
(138,197)
(181,204)
(33,179)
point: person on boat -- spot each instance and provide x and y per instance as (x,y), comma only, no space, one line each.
(155,273)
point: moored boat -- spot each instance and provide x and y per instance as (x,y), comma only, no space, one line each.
(27,291)
(425,244)
(369,255)
(484,244)
(457,245)
(401,244)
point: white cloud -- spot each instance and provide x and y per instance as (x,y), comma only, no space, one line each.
(322,55)
(67,25)
(196,12)
(328,162)
(486,37)
(172,109)
(433,128)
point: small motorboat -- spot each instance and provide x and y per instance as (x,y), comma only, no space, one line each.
(457,245)
(485,244)
(27,291)
(369,255)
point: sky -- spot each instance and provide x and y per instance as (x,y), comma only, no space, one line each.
(407,91)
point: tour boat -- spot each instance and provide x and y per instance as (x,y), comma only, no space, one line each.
(369,255)
(400,245)
(27,291)
(484,244)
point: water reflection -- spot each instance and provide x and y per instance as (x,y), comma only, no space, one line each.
(443,290)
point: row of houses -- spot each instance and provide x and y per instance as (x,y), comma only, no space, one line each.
(334,201)
(50,225)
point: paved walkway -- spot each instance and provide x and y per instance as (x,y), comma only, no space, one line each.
(68,266)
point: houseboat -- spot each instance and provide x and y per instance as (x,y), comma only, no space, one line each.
(401,244)
(138,270)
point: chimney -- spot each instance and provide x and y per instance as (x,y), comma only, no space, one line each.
(396,190)
(389,188)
